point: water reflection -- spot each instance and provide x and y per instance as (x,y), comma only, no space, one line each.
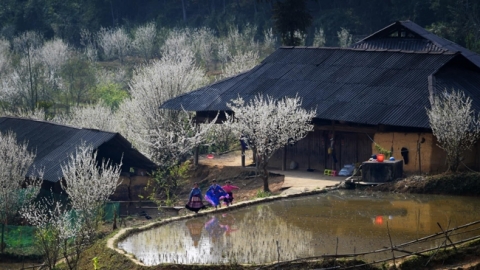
(338,222)
(195,228)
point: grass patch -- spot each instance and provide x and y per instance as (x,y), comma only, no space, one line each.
(263,194)
(20,241)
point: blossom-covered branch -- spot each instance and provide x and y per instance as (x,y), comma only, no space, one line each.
(267,124)
(454,124)
(17,187)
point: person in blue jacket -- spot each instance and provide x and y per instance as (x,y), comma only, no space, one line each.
(195,202)
(214,194)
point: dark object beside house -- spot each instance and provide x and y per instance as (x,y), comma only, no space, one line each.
(377,172)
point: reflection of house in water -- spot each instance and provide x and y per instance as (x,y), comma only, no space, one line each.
(336,222)
(361,223)
(422,217)
(195,227)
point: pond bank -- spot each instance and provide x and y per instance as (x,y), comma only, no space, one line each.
(462,184)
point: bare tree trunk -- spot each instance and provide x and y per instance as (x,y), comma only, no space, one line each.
(265,177)
(184,11)
(113,17)
(212,6)
(2,243)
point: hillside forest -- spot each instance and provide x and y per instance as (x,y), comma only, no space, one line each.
(110,64)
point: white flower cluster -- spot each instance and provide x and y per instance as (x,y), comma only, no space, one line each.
(267,124)
(454,124)
(89,184)
(16,191)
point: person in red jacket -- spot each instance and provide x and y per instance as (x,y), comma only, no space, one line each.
(229,188)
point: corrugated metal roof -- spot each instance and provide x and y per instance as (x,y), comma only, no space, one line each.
(418,40)
(53,143)
(346,84)
(409,44)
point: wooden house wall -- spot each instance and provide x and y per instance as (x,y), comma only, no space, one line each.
(312,151)
(355,147)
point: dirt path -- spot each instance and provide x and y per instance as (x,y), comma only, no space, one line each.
(294,181)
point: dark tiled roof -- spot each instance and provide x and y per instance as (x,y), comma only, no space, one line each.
(53,143)
(418,40)
(359,86)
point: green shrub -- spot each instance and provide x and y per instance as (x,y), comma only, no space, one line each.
(263,194)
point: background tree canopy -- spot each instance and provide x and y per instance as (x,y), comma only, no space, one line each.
(457,20)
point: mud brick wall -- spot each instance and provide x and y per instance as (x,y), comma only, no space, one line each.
(424,153)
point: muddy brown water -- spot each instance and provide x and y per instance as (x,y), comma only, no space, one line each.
(338,222)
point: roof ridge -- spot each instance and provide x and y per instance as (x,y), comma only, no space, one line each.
(40,121)
(56,124)
(446,52)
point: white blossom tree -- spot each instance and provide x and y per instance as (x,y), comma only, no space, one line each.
(87,40)
(115,43)
(96,116)
(36,114)
(153,84)
(54,226)
(204,44)
(237,43)
(25,80)
(267,124)
(172,144)
(54,54)
(144,41)
(65,229)
(4,55)
(175,139)
(454,124)
(18,185)
(319,39)
(240,63)
(89,184)
(167,137)
(344,38)
(269,42)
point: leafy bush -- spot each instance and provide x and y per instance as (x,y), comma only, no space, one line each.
(263,194)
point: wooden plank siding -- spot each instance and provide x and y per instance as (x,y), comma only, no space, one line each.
(312,151)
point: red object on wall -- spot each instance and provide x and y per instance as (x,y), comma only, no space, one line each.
(379,220)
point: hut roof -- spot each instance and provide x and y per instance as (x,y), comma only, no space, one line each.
(366,86)
(409,36)
(53,143)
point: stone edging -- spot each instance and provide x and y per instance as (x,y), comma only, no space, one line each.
(112,242)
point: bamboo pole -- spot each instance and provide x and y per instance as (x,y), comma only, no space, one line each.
(386,249)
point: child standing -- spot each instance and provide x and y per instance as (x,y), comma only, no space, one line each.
(229,188)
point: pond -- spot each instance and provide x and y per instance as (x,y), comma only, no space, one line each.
(338,222)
